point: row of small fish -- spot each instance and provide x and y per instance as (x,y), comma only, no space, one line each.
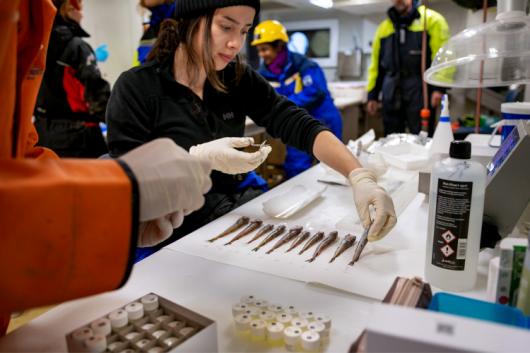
(296,235)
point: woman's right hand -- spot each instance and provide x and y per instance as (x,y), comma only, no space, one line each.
(224,156)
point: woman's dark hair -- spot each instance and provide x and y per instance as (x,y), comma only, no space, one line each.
(174,33)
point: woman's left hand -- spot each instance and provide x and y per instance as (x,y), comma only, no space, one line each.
(367,192)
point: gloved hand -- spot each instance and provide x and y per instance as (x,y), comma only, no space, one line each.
(225,158)
(366,192)
(169,179)
(154,232)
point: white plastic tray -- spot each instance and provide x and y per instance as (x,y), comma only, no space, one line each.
(291,202)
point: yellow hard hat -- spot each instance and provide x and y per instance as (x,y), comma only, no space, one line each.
(269,31)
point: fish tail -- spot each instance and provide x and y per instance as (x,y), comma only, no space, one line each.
(255,249)
(351,263)
(310,260)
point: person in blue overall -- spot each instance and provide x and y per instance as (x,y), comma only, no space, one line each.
(300,80)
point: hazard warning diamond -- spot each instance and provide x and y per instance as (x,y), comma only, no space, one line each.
(448,236)
(447,251)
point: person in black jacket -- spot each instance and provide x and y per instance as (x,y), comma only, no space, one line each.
(196,91)
(73,96)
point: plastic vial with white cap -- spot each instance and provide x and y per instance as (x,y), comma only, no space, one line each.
(443,135)
(310,341)
(456,205)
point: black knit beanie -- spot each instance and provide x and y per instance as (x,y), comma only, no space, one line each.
(188,8)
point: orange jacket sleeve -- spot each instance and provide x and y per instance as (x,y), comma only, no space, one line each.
(67,227)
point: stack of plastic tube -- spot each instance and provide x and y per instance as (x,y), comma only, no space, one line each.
(277,324)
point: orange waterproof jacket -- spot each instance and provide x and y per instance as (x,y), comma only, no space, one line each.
(68,228)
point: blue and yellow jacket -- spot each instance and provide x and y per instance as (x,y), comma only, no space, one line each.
(396,50)
(303,82)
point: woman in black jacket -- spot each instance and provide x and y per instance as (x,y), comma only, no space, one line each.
(196,91)
(73,96)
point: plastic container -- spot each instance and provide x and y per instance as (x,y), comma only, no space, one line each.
(443,135)
(512,113)
(523,302)
(455,220)
(476,309)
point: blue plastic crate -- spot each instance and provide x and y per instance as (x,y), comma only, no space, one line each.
(477,309)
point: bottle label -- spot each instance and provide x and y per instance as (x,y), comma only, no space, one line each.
(451,224)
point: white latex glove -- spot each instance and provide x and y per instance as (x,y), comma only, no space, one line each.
(154,232)
(169,179)
(366,192)
(225,158)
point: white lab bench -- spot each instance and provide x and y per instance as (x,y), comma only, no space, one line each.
(211,288)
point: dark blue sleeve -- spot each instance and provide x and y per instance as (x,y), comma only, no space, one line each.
(314,88)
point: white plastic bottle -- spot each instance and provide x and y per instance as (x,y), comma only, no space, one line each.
(443,134)
(455,220)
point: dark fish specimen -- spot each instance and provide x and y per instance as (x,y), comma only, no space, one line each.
(255,224)
(312,241)
(242,221)
(326,243)
(299,240)
(293,232)
(267,228)
(360,246)
(346,243)
(274,234)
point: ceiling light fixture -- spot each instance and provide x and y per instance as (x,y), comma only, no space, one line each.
(326,4)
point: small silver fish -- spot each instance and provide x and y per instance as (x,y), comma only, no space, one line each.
(299,240)
(273,235)
(242,221)
(267,228)
(293,232)
(346,243)
(360,246)
(255,224)
(312,241)
(326,243)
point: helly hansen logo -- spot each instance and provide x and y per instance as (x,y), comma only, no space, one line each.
(228,116)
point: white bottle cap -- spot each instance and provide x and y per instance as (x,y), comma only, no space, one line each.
(258,328)
(276,308)
(148,327)
(163,318)
(242,322)
(275,331)
(266,315)
(307,315)
(310,341)
(285,319)
(143,343)
(150,302)
(299,323)
(324,319)
(96,344)
(131,336)
(239,308)
(156,350)
(82,334)
(118,318)
(445,107)
(291,310)
(252,312)
(158,334)
(135,311)
(291,337)
(319,328)
(101,327)
(261,304)
(171,342)
(186,331)
(176,325)
(248,299)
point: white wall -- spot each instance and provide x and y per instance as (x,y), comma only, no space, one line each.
(118,24)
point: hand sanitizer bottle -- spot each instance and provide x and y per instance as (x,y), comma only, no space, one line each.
(455,220)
